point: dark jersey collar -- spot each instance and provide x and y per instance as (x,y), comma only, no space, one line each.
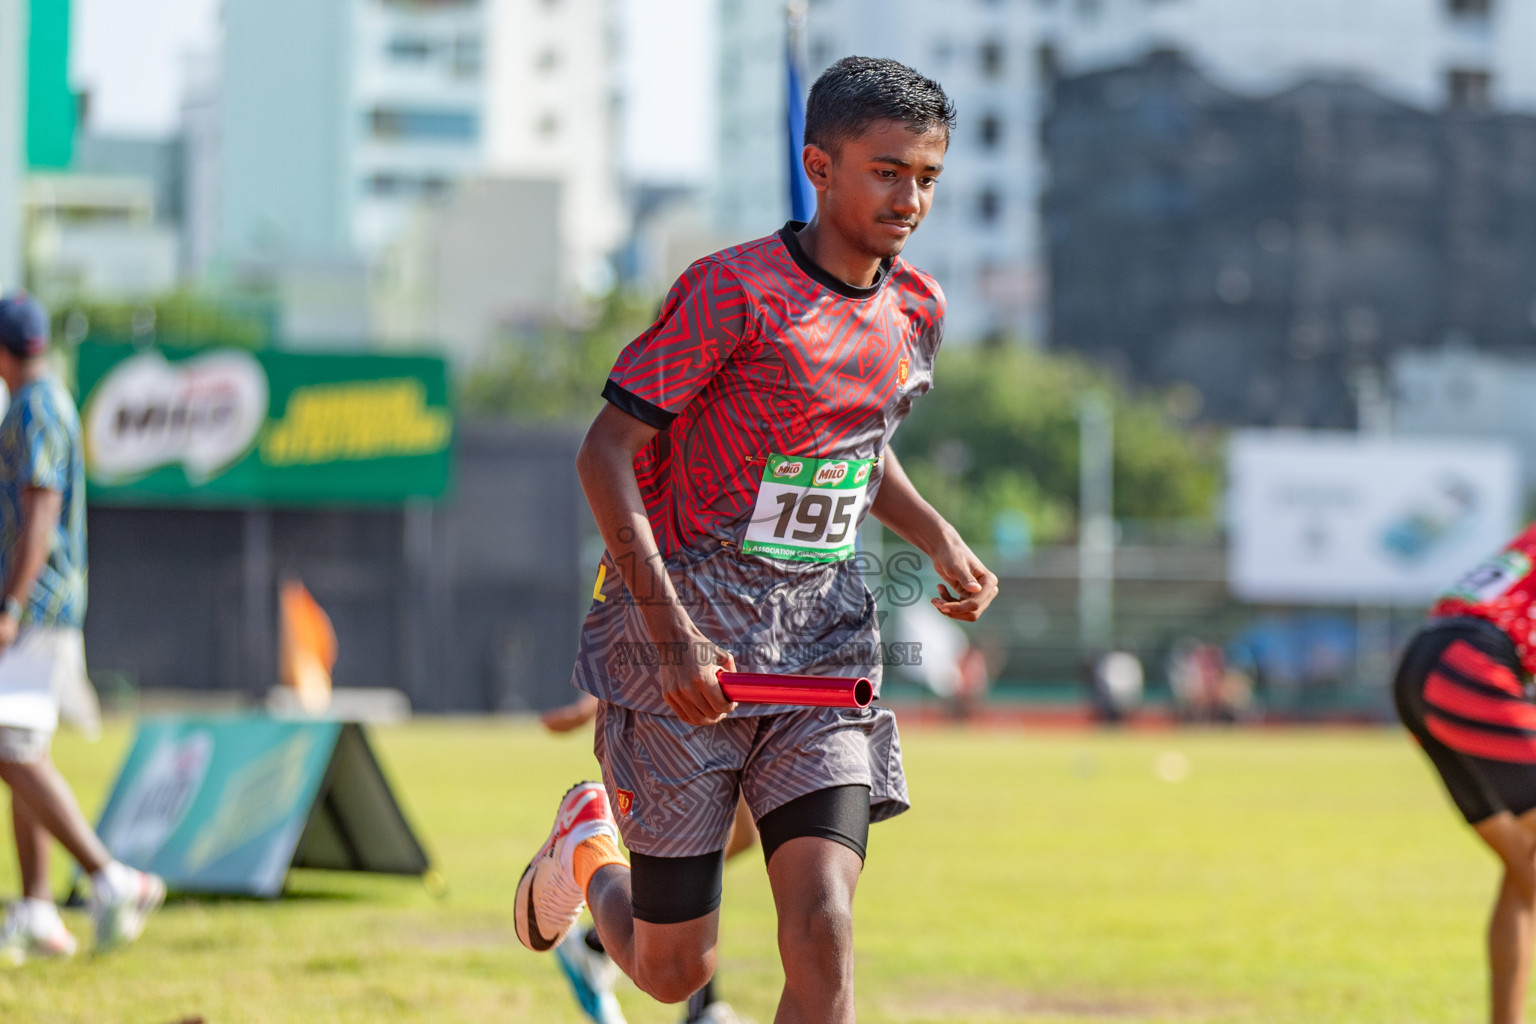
(820,276)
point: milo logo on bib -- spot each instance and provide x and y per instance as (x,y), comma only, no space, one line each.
(831,473)
(807,510)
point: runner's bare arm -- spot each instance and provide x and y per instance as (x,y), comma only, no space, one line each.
(606,465)
(39,516)
(898,505)
(572,716)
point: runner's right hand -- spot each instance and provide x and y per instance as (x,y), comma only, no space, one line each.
(691,689)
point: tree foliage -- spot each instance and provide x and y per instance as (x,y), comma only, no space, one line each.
(180,318)
(998,436)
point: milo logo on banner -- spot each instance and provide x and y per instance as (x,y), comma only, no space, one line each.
(204,413)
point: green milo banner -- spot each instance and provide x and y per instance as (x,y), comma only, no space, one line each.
(214,426)
(229,804)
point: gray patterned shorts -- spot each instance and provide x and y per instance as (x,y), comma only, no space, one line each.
(673,785)
(23,746)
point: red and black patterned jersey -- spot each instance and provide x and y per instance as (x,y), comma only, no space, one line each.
(1501,590)
(758,352)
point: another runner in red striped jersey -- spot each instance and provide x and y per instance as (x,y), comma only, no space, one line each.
(745,438)
(1501,590)
(1464,690)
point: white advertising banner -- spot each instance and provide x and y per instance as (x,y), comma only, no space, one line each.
(1337,517)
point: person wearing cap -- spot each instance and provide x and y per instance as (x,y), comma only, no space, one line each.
(42,649)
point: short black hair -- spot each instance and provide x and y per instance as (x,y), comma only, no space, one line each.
(857,92)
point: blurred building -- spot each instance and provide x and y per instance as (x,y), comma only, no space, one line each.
(51,104)
(328,128)
(200,112)
(13,64)
(1459,392)
(159,162)
(335,117)
(671,227)
(751,183)
(97,214)
(96,236)
(1427,53)
(471,265)
(1273,252)
(997,60)
(37,111)
(551,99)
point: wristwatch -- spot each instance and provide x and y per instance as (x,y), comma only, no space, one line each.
(12,607)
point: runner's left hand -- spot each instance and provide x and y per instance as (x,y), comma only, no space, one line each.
(971,586)
(9,627)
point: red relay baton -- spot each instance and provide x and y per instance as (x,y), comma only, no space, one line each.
(804,691)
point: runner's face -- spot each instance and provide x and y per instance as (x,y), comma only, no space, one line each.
(879,187)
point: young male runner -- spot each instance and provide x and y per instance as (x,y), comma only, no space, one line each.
(1463,689)
(746,435)
(584,961)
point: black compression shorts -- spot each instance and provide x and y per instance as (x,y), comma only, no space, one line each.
(671,890)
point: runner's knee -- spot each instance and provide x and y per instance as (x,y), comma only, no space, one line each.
(816,941)
(672,975)
(676,923)
(1520,872)
(1515,846)
(813,884)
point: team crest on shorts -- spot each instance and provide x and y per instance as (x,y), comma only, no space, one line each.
(626,802)
(903,368)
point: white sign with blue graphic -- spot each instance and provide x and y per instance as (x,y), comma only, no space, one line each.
(1343,518)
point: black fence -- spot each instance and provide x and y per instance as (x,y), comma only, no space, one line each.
(471,605)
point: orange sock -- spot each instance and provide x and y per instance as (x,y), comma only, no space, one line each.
(597,852)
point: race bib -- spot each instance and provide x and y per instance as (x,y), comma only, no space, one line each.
(807,508)
(1492,579)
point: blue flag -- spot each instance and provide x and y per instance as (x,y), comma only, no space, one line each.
(802,197)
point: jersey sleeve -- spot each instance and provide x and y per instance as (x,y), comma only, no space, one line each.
(45,452)
(931,335)
(705,317)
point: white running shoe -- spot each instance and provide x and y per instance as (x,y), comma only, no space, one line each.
(592,976)
(21,939)
(548,899)
(121,913)
(721,1013)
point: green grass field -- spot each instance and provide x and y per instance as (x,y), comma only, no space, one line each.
(1291,876)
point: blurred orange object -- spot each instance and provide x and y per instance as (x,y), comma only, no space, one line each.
(307,648)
